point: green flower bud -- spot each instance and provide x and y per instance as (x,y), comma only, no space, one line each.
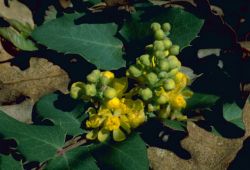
(162,99)
(164,112)
(77,90)
(174,63)
(163,74)
(166,53)
(155,26)
(174,50)
(152,108)
(145,60)
(90,90)
(166,27)
(159,35)
(164,65)
(104,80)
(158,46)
(173,72)
(151,78)
(169,84)
(109,93)
(167,43)
(134,71)
(159,54)
(94,76)
(146,93)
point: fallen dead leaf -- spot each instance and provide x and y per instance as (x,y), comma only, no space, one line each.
(16,10)
(3,54)
(40,78)
(65,3)
(21,111)
(207,150)
(245,45)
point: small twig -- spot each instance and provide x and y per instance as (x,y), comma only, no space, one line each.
(71,146)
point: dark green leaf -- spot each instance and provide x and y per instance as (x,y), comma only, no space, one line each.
(233,113)
(201,100)
(17,39)
(76,159)
(8,163)
(176,125)
(36,143)
(130,154)
(94,42)
(70,121)
(185,26)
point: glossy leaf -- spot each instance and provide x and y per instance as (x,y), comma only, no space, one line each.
(94,42)
(36,143)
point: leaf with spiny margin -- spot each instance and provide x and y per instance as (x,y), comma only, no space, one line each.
(130,154)
(201,100)
(70,121)
(94,42)
(77,159)
(36,143)
(184,25)
(233,113)
(8,163)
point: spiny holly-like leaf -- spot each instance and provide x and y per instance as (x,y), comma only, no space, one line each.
(76,159)
(17,39)
(130,154)
(233,113)
(201,100)
(94,42)
(185,26)
(36,143)
(70,121)
(8,163)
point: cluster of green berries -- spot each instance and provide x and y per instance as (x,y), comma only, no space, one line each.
(158,72)
(97,86)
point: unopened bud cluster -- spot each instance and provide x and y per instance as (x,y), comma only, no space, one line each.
(161,84)
(160,88)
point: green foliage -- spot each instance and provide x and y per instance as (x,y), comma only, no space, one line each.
(94,42)
(201,100)
(36,143)
(175,125)
(77,159)
(184,26)
(70,121)
(233,113)
(8,163)
(127,155)
(17,39)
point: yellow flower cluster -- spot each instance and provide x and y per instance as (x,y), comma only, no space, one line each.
(160,88)
(116,117)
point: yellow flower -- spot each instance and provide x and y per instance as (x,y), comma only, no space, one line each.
(93,122)
(181,80)
(120,85)
(135,112)
(113,103)
(108,74)
(178,101)
(112,123)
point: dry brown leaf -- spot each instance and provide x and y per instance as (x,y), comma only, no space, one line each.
(17,11)
(245,45)
(40,78)
(207,150)
(21,111)
(3,54)
(65,3)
